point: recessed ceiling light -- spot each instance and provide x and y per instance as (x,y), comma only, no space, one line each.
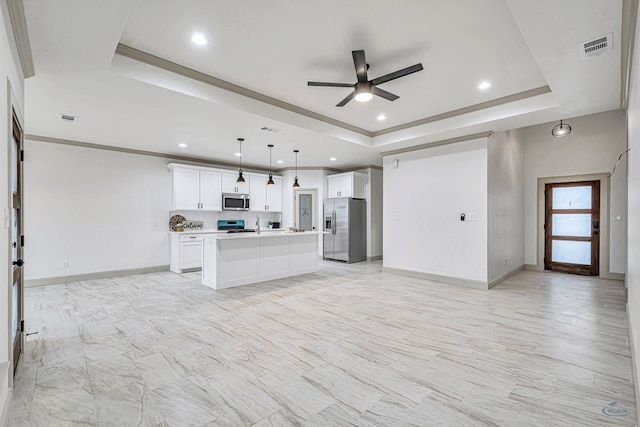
(199,39)
(484,85)
(382,117)
(182,145)
(280,161)
(333,159)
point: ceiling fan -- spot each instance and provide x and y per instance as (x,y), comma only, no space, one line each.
(364,89)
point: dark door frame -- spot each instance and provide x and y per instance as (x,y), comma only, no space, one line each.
(605,191)
(593,268)
(17,272)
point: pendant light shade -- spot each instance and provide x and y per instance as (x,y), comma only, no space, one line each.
(295,181)
(270,183)
(240,179)
(561,130)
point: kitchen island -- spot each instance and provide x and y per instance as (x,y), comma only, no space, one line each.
(240,259)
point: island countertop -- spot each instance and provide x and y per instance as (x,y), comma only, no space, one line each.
(263,234)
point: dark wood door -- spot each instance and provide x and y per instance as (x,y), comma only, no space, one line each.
(17,243)
(572,227)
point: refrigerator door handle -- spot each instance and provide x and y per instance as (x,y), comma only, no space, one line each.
(333,223)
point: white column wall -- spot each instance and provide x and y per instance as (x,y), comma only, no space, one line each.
(506,203)
(592,147)
(423,200)
(633,236)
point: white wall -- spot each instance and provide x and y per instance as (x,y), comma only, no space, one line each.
(374,213)
(592,147)
(11,95)
(505,204)
(633,236)
(422,202)
(99,210)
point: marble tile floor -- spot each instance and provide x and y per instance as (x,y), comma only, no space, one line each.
(346,346)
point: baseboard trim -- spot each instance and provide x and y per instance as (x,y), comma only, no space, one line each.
(633,360)
(505,276)
(93,276)
(475,284)
(5,394)
(532,267)
(374,258)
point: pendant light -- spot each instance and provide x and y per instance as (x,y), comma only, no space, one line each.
(240,179)
(270,183)
(561,130)
(295,182)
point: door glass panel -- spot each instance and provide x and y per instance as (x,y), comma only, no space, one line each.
(572,197)
(14,235)
(305,211)
(14,322)
(571,252)
(14,170)
(571,225)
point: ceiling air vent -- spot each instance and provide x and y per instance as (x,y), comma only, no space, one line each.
(268,129)
(68,119)
(596,47)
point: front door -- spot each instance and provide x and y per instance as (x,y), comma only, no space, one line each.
(17,242)
(572,227)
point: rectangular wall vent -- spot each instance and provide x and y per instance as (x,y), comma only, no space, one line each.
(268,129)
(68,119)
(596,47)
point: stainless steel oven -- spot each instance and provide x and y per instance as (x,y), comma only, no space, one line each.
(235,202)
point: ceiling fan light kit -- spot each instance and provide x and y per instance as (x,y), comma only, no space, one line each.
(561,130)
(364,89)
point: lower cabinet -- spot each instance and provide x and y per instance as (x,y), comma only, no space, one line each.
(185,252)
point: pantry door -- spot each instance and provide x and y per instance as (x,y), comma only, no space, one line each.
(572,227)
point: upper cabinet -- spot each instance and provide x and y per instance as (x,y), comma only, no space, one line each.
(198,188)
(348,184)
(195,189)
(229,184)
(263,197)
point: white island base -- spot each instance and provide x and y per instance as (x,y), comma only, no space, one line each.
(240,259)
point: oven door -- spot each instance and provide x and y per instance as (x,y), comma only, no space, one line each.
(235,202)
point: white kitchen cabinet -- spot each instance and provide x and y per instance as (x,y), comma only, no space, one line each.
(348,184)
(263,197)
(196,189)
(229,184)
(185,252)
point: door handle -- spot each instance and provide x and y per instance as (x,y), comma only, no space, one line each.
(19,262)
(596,224)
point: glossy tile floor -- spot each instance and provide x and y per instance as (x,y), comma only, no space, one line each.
(346,346)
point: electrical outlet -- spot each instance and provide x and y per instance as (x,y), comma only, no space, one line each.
(65,264)
(472,217)
(439,263)
(505,262)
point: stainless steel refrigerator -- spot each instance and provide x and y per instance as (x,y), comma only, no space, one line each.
(345,226)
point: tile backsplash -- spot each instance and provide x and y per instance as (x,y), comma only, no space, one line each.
(209,220)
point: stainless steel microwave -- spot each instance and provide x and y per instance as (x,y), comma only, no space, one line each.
(235,202)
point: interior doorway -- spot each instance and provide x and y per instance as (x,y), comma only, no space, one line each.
(305,209)
(572,227)
(17,243)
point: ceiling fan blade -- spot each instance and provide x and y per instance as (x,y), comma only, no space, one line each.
(397,74)
(330,84)
(361,65)
(347,99)
(384,94)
